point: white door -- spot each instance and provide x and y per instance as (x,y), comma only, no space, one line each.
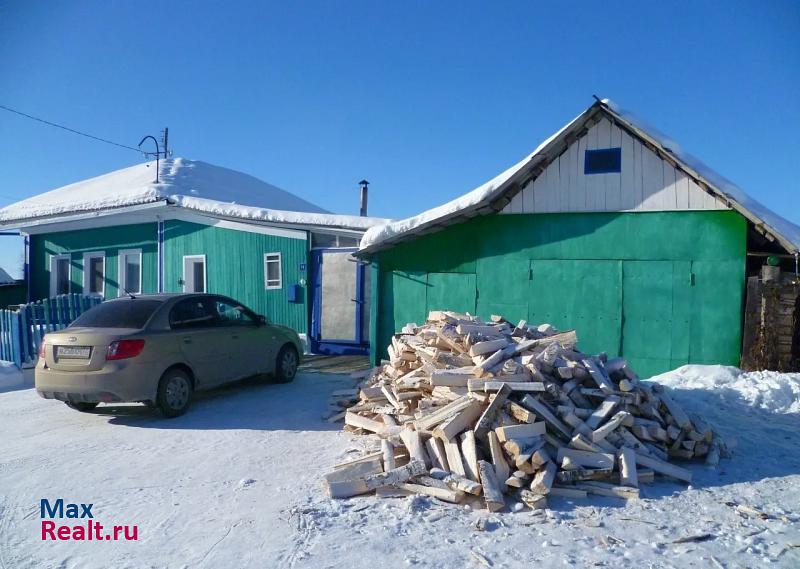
(194,273)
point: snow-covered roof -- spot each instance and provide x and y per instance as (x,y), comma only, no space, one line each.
(5,278)
(185,183)
(490,196)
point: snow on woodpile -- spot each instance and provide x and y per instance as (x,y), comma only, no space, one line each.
(189,183)
(466,408)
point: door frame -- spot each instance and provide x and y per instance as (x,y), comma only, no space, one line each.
(335,346)
(205,270)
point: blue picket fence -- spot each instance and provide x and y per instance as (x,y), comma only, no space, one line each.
(22,330)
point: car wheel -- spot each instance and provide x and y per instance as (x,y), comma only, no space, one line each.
(174,393)
(286,364)
(82,406)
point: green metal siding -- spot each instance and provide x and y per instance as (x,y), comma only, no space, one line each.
(661,288)
(107,239)
(235,267)
(12,294)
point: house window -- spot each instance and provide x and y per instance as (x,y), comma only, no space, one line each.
(130,271)
(59,274)
(603,161)
(94,273)
(272,270)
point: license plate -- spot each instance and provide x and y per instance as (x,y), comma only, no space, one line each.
(79,352)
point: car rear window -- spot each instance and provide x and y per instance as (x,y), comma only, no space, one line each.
(132,313)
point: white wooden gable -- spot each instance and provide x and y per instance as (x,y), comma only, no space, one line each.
(646,182)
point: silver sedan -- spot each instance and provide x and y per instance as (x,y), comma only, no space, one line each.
(160,349)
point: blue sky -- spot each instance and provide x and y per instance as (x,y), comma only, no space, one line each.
(425,99)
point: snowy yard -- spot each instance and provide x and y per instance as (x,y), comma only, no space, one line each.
(235,483)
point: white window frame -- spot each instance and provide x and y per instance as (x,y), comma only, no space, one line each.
(86,258)
(121,254)
(54,274)
(205,271)
(271,257)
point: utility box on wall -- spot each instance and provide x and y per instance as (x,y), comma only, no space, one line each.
(295,293)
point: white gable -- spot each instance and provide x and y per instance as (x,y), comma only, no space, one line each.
(646,182)
(552,180)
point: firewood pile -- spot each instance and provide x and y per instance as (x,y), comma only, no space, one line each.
(466,408)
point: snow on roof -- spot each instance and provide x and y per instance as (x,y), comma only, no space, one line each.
(5,278)
(476,197)
(244,212)
(382,236)
(188,183)
(777,224)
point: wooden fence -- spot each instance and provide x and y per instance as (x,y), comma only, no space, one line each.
(22,330)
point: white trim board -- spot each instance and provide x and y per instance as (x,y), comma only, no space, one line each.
(53,273)
(279,286)
(152,213)
(130,215)
(191,217)
(205,270)
(121,276)
(86,263)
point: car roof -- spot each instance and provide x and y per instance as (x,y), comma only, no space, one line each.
(162,296)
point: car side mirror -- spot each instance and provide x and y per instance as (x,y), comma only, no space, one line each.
(262,320)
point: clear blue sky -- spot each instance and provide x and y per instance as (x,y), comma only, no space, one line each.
(424,99)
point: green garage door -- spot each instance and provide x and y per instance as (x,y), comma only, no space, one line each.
(655,318)
(452,291)
(583,294)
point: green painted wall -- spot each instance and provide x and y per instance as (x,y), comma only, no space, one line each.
(235,266)
(661,288)
(12,294)
(109,239)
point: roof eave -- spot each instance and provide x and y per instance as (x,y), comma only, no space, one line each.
(500,197)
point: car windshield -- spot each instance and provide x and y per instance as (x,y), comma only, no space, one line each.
(132,313)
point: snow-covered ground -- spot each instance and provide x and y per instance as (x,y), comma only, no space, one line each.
(235,483)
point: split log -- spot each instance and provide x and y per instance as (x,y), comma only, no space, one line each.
(491,488)
(469,453)
(397,475)
(525,431)
(350,480)
(603,410)
(498,459)
(454,458)
(413,442)
(542,411)
(543,480)
(627,467)
(587,459)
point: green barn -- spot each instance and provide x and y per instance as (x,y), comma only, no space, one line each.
(607,228)
(200,228)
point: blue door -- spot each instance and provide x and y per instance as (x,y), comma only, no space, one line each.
(340,303)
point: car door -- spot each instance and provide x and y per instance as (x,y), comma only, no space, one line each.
(203,343)
(247,338)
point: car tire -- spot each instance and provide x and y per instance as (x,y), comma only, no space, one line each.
(174,393)
(82,406)
(286,364)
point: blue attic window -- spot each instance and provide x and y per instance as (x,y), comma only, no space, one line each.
(603,161)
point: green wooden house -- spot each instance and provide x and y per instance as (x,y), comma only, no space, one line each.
(199,228)
(608,228)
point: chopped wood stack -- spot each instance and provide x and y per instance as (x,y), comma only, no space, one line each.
(487,409)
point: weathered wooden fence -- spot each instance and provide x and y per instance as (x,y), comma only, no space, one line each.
(22,330)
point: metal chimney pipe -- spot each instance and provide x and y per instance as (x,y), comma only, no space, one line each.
(364,190)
